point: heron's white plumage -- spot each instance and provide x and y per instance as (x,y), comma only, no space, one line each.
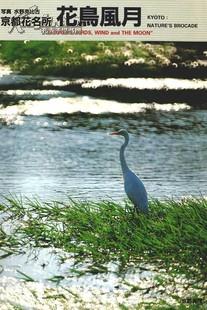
(135,191)
(133,186)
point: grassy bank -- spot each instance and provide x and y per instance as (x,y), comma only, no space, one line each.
(172,239)
(104,59)
(173,235)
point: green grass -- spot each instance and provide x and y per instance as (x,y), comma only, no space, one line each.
(100,59)
(173,236)
(70,59)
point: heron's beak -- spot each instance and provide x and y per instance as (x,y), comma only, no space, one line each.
(114,133)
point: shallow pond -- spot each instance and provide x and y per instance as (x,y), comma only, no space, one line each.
(55,143)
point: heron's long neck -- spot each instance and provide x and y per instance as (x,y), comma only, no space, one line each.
(124,166)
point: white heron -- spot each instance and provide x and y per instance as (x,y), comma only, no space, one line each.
(133,186)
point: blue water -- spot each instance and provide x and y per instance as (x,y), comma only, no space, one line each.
(64,152)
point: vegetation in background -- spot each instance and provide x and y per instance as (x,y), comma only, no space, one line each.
(103,59)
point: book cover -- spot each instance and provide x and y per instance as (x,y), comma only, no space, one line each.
(103,154)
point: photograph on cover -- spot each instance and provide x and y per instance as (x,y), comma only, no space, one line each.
(66,109)
(103,155)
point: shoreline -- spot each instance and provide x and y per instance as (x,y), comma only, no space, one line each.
(94,59)
(85,238)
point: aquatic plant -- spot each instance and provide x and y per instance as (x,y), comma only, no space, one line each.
(172,237)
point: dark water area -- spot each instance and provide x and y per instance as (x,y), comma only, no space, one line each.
(55,144)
